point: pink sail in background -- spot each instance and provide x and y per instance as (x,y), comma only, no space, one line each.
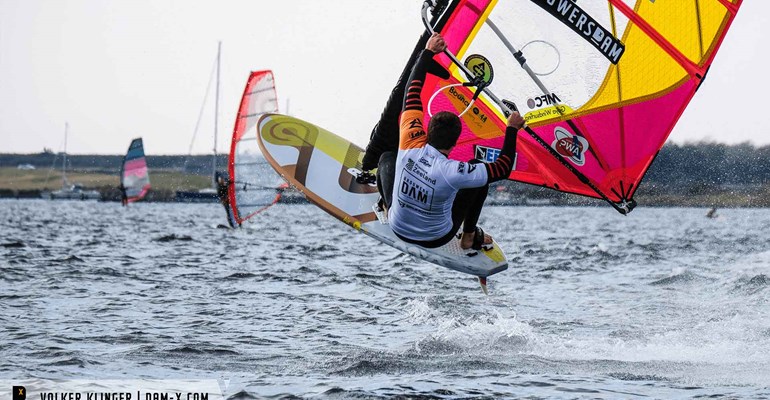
(133,174)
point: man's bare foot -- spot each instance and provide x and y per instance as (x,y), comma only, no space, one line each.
(466,242)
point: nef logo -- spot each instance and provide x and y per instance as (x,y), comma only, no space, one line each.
(570,146)
(544,100)
(486,154)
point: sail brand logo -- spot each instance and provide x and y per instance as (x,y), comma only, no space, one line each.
(486,154)
(544,100)
(459,96)
(462,99)
(570,146)
(573,16)
(479,70)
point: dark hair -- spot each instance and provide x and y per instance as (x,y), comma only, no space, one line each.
(443,130)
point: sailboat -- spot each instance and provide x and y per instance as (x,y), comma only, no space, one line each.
(207,195)
(70,191)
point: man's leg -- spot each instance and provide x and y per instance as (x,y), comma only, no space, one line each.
(474,209)
(386,174)
(467,206)
(468,211)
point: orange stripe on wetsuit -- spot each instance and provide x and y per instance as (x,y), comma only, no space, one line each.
(412,131)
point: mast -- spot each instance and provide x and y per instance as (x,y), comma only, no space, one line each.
(216,117)
(64,161)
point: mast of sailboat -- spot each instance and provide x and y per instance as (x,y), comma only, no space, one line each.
(64,161)
(216,117)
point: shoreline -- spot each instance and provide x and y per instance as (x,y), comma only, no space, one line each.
(110,194)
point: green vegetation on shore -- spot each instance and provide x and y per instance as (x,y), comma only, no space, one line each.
(693,175)
(44,179)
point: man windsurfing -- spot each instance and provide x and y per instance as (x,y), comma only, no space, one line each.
(123,195)
(223,185)
(435,195)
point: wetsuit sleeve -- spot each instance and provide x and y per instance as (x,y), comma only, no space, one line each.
(501,168)
(412,134)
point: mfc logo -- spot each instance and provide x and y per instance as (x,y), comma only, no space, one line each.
(486,154)
(546,99)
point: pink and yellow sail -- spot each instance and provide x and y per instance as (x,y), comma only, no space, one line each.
(609,81)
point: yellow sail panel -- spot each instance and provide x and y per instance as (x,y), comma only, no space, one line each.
(692,26)
(644,70)
(714,18)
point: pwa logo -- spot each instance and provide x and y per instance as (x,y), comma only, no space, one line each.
(544,100)
(486,154)
(570,146)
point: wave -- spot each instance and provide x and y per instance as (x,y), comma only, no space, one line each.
(173,237)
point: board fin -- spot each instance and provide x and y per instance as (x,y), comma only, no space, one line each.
(483,283)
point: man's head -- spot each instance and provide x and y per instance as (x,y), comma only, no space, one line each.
(443,130)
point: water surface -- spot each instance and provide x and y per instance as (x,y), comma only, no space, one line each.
(663,303)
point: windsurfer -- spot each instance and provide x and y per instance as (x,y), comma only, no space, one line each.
(435,194)
(223,184)
(712,213)
(123,195)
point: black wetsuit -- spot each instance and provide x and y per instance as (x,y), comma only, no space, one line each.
(123,195)
(224,198)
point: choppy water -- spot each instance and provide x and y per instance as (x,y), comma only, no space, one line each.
(663,303)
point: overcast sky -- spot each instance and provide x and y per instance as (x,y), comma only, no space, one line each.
(116,70)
